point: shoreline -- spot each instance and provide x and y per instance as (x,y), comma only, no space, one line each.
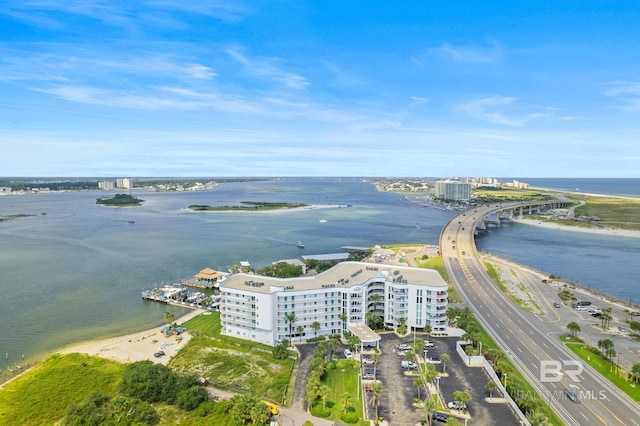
(131,347)
(136,346)
(614,232)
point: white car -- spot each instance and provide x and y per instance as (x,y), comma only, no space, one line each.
(404,347)
(348,354)
(455,405)
(428,344)
(367,361)
(434,360)
(580,308)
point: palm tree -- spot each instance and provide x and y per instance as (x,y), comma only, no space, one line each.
(538,418)
(490,386)
(426,407)
(461,397)
(345,400)
(316,326)
(169,318)
(604,345)
(376,357)
(332,345)
(291,318)
(300,331)
(418,383)
(375,299)
(445,358)
(324,393)
(635,370)
(377,389)
(574,328)
(343,317)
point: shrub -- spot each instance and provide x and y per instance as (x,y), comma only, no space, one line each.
(318,411)
(190,399)
(330,365)
(349,417)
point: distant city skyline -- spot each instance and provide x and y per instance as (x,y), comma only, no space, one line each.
(304,88)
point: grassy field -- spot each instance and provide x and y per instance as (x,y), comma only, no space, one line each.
(41,396)
(233,364)
(623,213)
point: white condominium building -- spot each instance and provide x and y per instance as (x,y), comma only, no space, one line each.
(259,308)
(124,183)
(453,190)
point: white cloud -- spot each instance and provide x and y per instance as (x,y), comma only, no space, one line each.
(267,68)
(469,55)
(501,110)
(628,92)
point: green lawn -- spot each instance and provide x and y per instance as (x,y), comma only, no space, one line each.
(604,367)
(344,378)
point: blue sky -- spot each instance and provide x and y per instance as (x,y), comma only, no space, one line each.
(319,88)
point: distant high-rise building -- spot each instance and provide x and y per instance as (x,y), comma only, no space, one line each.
(124,183)
(106,185)
(453,190)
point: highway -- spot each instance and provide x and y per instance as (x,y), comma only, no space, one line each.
(530,340)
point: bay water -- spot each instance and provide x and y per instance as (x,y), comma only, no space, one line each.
(73,270)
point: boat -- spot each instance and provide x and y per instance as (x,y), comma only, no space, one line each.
(132,221)
(323,221)
(300,245)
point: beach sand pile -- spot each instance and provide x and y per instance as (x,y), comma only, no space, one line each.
(137,346)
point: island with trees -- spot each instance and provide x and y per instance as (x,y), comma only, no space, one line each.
(249,206)
(120,200)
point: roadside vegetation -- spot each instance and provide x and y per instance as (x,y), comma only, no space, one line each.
(490,195)
(517,386)
(602,359)
(527,304)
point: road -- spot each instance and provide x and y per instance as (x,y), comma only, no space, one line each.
(528,339)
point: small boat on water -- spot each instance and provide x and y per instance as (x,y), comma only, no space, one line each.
(323,221)
(132,221)
(300,245)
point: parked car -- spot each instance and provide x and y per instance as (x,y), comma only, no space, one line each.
(439,417)
(580,308)
(159,354)
(556,305)
(348,354)
(622,329)
(434,360)
(409,365)
(368,376)
(428,344)
(455,405)
(367,361)
(404,347)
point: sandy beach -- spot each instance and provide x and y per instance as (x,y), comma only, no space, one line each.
(560,227)
(137,346)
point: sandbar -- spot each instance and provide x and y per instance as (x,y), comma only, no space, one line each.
(560,227)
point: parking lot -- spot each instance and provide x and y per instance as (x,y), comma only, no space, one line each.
(396,404)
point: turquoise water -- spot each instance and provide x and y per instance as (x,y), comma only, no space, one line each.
(76,272)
